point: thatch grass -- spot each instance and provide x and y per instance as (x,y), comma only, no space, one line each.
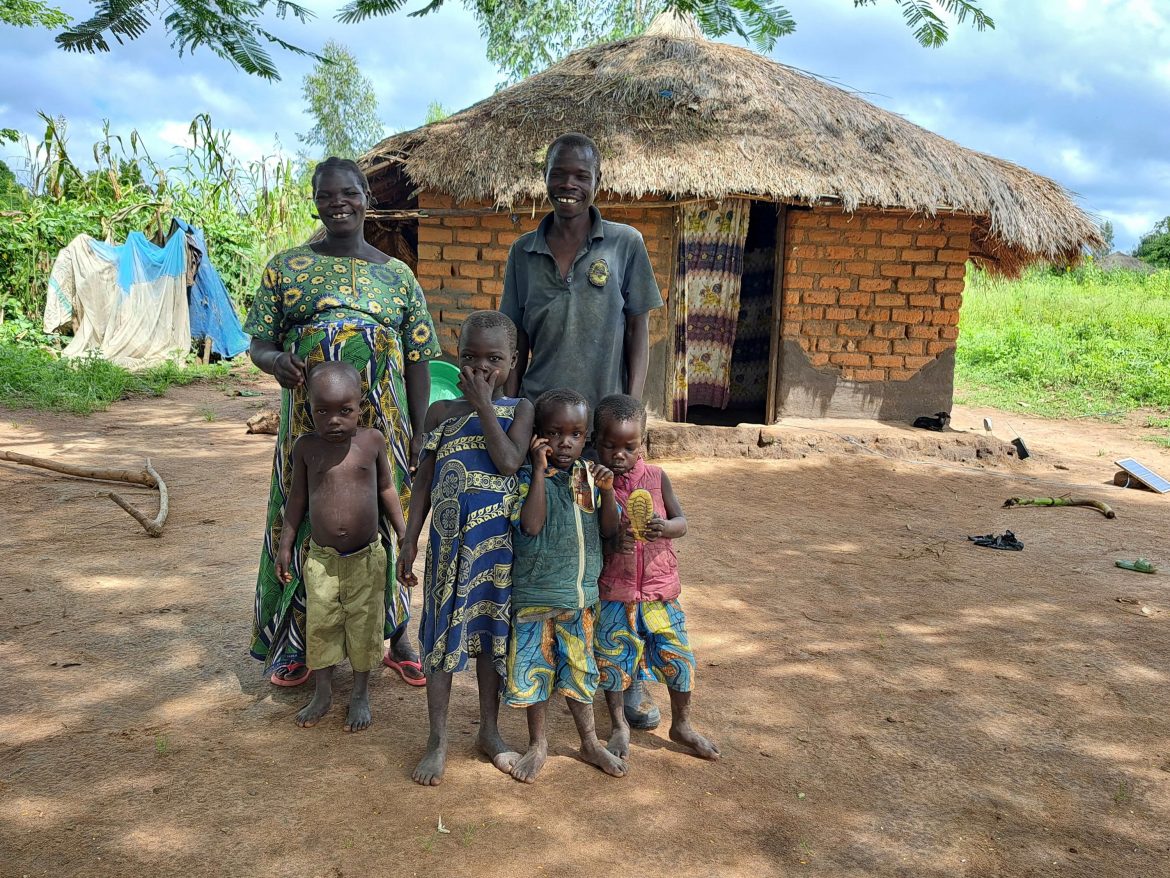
(678,116)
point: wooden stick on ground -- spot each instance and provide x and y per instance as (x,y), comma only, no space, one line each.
(142,477)
(1099,505)
(148,477)
(151,526)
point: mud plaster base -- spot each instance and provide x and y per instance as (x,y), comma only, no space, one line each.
(809,392)
(794,441)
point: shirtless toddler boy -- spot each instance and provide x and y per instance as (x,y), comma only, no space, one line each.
(340,472)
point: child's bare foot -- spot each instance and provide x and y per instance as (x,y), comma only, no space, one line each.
(429,772)
(683,733)
(358,717)
(312,712)
(595,754)
(492,746)
(529,765)
(619,742)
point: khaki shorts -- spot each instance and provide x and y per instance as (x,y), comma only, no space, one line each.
(346,600)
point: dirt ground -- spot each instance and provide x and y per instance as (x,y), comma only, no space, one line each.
(890,700)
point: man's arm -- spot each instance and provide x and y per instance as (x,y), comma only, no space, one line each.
(512,306)
(516,379)
(637,353)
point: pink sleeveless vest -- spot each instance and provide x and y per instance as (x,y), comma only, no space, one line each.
(651,573)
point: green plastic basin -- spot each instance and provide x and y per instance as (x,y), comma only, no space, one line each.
(444,380)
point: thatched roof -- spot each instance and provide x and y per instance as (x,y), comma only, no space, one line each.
(677,115)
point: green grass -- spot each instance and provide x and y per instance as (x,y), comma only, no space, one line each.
(35,378)
(1082,343)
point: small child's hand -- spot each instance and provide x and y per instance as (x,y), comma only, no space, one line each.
(654,528)
(628,542)
(538,452)
(404,569)
(478,388)
(602,476)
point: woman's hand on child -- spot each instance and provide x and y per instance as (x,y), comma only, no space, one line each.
(602,476)
(289,370)
(404,569)
(538,452)
(478,388)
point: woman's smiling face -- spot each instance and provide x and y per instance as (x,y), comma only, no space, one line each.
(341,202)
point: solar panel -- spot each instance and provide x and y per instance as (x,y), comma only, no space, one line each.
(1144,474)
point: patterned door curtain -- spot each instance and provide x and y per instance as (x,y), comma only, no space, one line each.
(709,274)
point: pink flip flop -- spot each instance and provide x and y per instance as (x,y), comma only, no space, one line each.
(402,666)
(295,674)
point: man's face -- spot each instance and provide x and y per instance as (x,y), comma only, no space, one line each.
(572,179)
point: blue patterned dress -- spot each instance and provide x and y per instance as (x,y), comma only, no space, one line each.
(468,583)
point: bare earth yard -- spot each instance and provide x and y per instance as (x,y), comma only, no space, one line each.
(889,699)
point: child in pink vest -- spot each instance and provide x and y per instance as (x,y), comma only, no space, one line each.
(640,624)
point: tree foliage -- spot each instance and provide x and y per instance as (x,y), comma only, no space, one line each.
(12,194)
(523,35)
(31,13)
(1106,247)
(342,104)
(1154,246)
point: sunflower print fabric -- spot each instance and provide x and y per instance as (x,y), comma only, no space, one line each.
(300,286)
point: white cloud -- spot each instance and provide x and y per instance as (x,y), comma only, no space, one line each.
(1132,225)
(1080,169)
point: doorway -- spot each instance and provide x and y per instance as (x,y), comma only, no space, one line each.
(748,374)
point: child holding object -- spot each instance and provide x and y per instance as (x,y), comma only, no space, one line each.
(567,510)
(466,480)
(640,623)
(342,476)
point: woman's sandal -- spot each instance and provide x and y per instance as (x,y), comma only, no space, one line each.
(293,674)
(402,665)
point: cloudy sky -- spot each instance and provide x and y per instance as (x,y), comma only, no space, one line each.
(1078,90)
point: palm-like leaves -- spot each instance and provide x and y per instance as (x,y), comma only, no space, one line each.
(229,28)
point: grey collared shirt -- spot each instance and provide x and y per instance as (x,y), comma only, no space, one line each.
(576,325)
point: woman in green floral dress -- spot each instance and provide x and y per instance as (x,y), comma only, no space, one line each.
(338,299)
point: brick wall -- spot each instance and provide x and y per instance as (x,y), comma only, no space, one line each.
(461,259)
(874,295)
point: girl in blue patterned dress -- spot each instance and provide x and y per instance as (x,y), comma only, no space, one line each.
(473,449)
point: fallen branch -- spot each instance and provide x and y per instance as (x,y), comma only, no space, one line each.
(142,477)
(1099,505)
(152,526)
(148,477)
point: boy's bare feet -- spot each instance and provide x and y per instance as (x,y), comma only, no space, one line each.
(683,733)
(595,754)
(312,712)
(529,765)
(358,717)
(619,742)
(492,746)
(429,772)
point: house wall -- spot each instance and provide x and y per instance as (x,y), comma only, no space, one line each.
(870,300)
(870,313)
(461,261)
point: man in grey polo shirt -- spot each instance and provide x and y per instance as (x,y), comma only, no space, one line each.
(580,291)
